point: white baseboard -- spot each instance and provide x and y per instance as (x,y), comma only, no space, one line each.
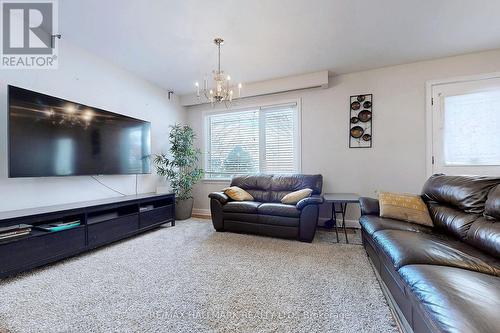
(348,223)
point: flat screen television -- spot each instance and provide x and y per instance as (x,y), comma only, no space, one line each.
(49,136)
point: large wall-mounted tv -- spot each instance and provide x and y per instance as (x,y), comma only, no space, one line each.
(49,136)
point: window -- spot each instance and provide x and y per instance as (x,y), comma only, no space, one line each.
(466,127)
(257,140)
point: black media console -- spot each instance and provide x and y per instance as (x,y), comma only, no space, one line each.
(102,222)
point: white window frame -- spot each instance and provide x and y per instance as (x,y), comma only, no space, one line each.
(429,110)
(245,107)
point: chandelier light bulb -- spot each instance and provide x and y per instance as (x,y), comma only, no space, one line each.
(88,115)
(70,108)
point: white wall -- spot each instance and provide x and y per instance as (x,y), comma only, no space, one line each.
(86,79)
(397,160)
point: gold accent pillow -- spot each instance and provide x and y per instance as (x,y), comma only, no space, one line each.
(294,197)
(406,207)
(237,194)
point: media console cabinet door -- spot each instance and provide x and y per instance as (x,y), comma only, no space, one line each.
(157,216)
(112,230)
(27,253)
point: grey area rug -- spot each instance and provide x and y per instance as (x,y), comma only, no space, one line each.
(188,278)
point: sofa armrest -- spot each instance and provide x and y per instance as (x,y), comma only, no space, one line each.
(219,196)
(369,206)
(312,200)
(308,222)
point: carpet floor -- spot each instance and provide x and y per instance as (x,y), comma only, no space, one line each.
(189,278)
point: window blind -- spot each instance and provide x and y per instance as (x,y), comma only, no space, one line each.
(471,125)
(261,140)
(279,145)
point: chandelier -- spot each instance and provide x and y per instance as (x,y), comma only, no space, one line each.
(69,116)
(221,91)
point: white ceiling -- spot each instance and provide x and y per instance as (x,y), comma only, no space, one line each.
(170,42)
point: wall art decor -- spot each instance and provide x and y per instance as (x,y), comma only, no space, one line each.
(360,121)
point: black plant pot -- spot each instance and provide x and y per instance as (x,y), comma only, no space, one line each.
(184,209)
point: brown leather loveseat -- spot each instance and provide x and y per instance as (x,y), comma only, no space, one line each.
(445,278)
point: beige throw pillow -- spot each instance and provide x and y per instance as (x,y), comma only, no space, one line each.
(237,194)
(294,197)
(406,207)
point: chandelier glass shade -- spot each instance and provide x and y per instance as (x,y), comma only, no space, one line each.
(221,90)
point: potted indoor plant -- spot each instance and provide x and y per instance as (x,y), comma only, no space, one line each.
(180,167)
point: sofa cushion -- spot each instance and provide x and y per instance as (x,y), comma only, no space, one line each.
(293,197)
(282,185)
(259,195)
(277,209)
(452,220)
(455,299)
(244,217)
(253,182)
(467,193)
(485,235)
(257,185)
(373,223)
(282,221)
(295,182)
(238,194)
(408,248)
(492,206)
(406,207)
(242,207)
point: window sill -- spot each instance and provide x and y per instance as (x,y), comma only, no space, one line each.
(216,181)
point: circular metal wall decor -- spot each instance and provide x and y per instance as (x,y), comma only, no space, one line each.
(365,116)
(357,132)
(361,121)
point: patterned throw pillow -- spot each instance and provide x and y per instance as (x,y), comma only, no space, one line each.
(237,194)
(294,197)
(406,207)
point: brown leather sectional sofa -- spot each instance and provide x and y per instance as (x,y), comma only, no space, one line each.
(266,215)
(445,278)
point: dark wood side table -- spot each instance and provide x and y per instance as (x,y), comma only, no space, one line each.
(342,199)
